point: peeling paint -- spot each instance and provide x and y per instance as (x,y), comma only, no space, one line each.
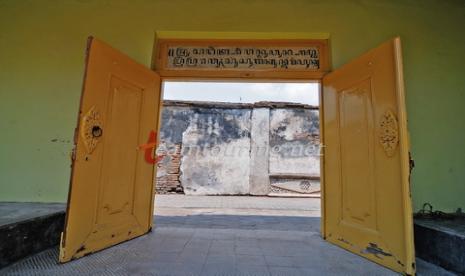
(82,248)
(373,248)
(345,241)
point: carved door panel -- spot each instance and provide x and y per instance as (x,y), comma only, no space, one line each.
(111,190)
(366,164)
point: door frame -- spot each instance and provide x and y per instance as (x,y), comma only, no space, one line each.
(247,76)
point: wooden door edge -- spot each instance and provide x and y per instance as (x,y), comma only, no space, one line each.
(62,244)
(410,268)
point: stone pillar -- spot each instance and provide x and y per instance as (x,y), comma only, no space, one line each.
(259,180)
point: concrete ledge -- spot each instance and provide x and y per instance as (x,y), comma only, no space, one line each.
(294,176)
(441,242)
(314,195)
(228,105)
(27,237)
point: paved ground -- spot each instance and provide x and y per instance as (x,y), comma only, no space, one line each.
(221,236)
(236,205)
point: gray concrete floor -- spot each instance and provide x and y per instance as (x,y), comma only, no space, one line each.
(221,236)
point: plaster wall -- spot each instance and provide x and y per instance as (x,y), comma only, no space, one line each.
(42,46)
(294,141)
(225,148)
(215,158)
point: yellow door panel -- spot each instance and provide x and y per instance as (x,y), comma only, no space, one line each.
(111,192)
(366,189)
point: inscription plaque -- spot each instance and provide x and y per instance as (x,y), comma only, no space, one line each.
(185,57)
(242,58)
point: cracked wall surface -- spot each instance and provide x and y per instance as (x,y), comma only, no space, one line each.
(236,149)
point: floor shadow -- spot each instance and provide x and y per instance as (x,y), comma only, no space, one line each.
(246,222)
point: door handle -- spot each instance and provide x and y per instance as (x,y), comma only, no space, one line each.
(91,129)
(97,131)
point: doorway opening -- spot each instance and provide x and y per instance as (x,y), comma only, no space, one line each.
(368,212)
(245,150)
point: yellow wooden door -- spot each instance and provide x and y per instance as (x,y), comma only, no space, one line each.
(367,207)
(111,190)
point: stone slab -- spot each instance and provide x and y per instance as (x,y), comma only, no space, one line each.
(441,242)
(28,228)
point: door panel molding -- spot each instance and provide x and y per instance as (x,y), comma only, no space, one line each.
(111,190)
(367,206)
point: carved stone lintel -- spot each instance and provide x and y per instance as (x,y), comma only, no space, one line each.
(389,133)
(90,121)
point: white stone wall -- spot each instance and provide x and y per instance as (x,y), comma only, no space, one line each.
(234,149)
(219,168)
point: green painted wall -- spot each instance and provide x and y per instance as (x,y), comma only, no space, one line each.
(42,60)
